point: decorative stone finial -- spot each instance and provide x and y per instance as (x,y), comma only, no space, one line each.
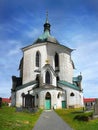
(47,61)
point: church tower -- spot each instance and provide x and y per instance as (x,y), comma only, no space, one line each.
(46,75)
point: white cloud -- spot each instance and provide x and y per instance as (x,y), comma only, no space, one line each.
(32,33)
(86,53)
(20,20)
(90,89)
(5,89)
(14,51)
(91,74)
(86,61)
(12,47)
(8,28)
(9,63)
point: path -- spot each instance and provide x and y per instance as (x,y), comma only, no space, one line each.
(49,120)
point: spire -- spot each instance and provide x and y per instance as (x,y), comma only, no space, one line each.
(47,17)
(47,24)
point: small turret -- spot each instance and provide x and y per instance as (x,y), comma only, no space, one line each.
(77,81)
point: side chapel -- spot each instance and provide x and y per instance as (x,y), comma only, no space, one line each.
(46,76)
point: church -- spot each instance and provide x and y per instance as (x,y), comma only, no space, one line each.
(46,77)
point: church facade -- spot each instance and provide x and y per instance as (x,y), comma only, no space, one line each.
(46,76)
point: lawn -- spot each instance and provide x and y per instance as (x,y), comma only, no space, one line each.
(12,120)
(69,116)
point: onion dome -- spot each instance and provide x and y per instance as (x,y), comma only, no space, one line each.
(46,36)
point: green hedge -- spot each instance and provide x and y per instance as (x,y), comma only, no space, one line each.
(84,117)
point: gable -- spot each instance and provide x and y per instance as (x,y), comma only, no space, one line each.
(49,68)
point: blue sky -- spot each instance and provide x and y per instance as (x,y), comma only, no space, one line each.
(74,23)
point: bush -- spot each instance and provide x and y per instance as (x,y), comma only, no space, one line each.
(83,117)
(4,104)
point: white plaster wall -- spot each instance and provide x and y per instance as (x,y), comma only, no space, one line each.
(47,51)
(54,99)
(76,100)
(66,70)
(29,62)
(65,64)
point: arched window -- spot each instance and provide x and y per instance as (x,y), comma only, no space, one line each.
(58,96)
(56,59)
(57,78)
(47,77)
(72,94)
(38,59)
(48,95)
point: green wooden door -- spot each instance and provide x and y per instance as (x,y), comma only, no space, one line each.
(63,104)
(47,104)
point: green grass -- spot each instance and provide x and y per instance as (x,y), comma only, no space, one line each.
(12,120)
(69,116)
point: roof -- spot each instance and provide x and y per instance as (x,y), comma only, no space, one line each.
(7,100)
(46,37)
(48,87)
(67,84)
(89,100)
(48,66)
(26,85)
(77,79)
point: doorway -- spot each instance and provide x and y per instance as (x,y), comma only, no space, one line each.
(48,101)
(63,104)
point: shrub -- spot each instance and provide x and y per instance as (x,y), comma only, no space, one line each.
(83,117)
